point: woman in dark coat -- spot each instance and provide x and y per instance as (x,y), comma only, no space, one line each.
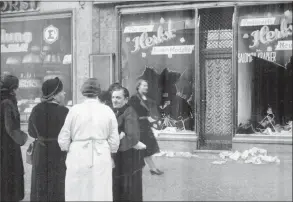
(45,123)
(129,161)
(12,171)
(144,108)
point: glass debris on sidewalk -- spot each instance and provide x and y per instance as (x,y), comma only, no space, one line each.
(254,156)
(219,162)
(176,154)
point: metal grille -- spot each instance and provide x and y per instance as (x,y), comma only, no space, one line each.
(216,40)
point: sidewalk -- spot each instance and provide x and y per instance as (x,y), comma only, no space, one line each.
(200,180)
(197,179)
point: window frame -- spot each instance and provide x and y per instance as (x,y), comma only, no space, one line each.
(59,14)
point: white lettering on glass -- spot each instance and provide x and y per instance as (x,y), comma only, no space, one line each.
(265,36)
(247,57)
(135,29)
(166,50)
(257,21)
(14,48)
(16,37)
(284,45)
(144,41)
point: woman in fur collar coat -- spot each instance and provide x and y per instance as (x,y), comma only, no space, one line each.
(12,138)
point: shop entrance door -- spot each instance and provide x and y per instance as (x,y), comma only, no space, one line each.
(216,78)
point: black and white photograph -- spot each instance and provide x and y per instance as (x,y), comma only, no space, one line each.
(122,100)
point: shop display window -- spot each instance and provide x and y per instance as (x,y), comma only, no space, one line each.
(159,48)
(265,70)
(34,51)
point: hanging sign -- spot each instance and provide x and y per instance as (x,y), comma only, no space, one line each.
(18,6)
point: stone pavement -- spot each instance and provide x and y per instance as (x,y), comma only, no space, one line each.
(197,179)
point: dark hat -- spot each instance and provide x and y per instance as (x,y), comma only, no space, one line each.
(91,88)
(9,82)
(52,87)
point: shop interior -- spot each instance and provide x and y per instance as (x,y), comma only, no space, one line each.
(28,53)
(265,98)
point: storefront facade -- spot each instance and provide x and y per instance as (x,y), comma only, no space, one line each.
(191,54)
(196,57)
(42,40)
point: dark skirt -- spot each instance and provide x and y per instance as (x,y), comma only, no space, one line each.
(148,138)
(48,173)
(128,187)
(12,187)
(128,162)
(127,175)
(12,171)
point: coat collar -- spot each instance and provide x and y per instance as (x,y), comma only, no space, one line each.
(6,94)
(142,102)
(121,110)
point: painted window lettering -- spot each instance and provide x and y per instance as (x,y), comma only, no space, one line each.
(15,37)
(265,36)
(144,41)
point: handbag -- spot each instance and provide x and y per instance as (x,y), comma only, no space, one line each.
(31,148)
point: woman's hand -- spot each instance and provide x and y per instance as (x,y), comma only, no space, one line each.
(140,146)
(122,135)
(113,163)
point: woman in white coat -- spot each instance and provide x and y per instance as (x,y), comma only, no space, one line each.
(90,135)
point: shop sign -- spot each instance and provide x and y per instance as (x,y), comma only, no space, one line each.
(144,41)
(15,41)
(18,6)
(51,34)
(166,50)
(269,38)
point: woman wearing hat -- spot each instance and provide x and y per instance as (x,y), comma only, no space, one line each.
(90,135)
(45,123)
(12,171)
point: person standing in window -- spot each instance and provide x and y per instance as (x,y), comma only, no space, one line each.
(129,161)
(143,107)
(45,123)
(12,171)
(90,135)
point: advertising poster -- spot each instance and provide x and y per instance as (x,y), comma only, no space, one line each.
(159,47)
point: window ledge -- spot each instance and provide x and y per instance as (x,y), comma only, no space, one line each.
(179,136)
(263,139)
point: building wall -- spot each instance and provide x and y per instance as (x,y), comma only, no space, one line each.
(104,29)
(83,39)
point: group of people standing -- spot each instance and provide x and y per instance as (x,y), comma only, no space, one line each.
(93,152)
